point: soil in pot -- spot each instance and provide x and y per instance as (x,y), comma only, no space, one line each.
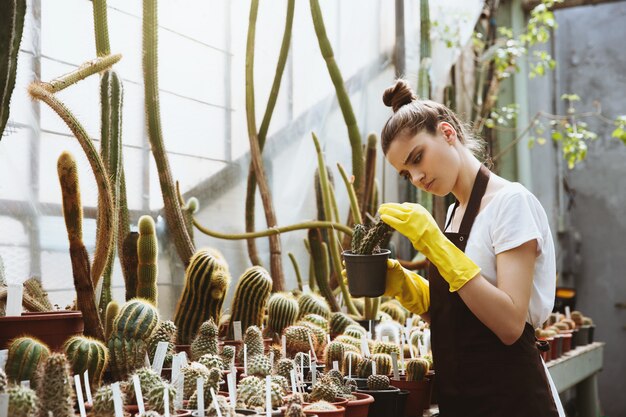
(339,412)
(53,327)
(366,273)
(359,407)
(385,402)
(418,397)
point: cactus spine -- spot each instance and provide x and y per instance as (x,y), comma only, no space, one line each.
(87,354)
(55,387)
(282,311)
(73,214)
(128,343)
(25,355)
(205,341)
(147,256)
(11,28)
(378,382)
(112,310)
(253,291)
(206,284)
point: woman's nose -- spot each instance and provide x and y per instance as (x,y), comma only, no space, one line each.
(416,178)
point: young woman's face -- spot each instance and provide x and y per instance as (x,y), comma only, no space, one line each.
(429,161)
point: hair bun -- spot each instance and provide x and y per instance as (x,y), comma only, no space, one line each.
(398,95)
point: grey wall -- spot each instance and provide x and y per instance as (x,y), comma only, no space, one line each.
(589,47)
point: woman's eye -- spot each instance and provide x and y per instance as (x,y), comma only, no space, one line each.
(418,158)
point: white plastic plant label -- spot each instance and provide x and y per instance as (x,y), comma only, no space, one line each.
(409,323)
(200,396)
(87,387)
(306,289)
(394,363)
(117,399)
(4,405)
(272,358)
(232,385)
(138,394)
(237,330)
(313,372)
(369,335)
(283,345)
(292,375)
(79,396)
(15,292)
(568,313)
(386,339)
(350,367)
(25,384)
(373,368)
(215,404)
(311,346)
(176,366)
(268,396)
(166,402)
(327,339)
(245,359)
(4,354)
(336,365)
(421,348)
(146,361)
(179,388)
(183,359)
(159,357)
(365,350)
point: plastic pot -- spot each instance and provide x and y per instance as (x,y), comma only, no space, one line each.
(582,337)
(418,395)
(366,273)
(359,407)
(385,402)
(52,327)
(361,383)
(401,404)
(592,329)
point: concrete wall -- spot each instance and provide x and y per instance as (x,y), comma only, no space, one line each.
(591,216)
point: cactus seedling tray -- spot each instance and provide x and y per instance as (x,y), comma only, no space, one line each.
(366,273)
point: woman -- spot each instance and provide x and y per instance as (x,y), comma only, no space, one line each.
(492,274)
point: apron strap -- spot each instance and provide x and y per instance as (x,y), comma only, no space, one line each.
(473,206)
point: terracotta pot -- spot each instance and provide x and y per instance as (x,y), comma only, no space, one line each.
(359,407)
(338,401)
(339,412)
(366,273)
(558,347)
(433,396)
(419,395)
(53,327)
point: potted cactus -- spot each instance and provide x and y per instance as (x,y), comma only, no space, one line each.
(366,262)
(417,384)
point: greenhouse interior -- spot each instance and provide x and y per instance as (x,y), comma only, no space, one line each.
(312,208)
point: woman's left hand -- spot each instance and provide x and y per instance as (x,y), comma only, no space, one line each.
(410,219)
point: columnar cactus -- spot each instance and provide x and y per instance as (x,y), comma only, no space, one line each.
(129,258)
(227,355)
(155,400)
(375,235)
(206,283)
(164,332)
(128,343)
(377,382)
(33,287)
(364,368)
(339,321)
(284,367)
(416,369)
(259,365)
(253,339)
(113,308)
(85,353)
(23,402)
(311,303)
(253,291)
(205,341)
(147,256)
(25,355)
(55,387)
(282,311)
(334,352)
(298,339)
(12,25)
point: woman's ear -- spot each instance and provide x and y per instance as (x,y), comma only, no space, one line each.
(448,132)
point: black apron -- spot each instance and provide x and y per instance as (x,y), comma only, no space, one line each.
(477,374)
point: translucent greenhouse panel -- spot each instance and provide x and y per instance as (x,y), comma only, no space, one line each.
(200,20)
(133,119)
(16,263)
(15,170)
(67,32)
(13,233)
(83,100)
(30,35)
(51,146)
(125,38)
(190,127)
(357,43)
(21,108)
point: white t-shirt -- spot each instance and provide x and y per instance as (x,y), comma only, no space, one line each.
(514,216)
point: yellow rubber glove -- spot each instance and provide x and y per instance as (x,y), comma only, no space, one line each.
(416,223)
(407,287)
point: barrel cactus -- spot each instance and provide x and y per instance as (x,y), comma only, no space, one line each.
(282,311)
(87,354)
(378,382)
(416,369)
(25,356)
(253,291)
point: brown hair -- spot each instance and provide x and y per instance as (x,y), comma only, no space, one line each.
(411,116)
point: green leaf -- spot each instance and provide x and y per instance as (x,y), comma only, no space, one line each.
(556,135)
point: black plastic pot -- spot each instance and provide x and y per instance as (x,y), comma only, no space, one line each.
(385,402)
(366,273)
(592,329)
(403,396)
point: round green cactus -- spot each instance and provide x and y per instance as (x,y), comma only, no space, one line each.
(253,291)
(298,339)
(378,382)
(85,353)
(25,356)
(311,303)
(334,352)
(282,311)
(416,369)
(339,321)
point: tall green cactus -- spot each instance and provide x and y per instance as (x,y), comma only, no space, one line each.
(25,355)
(54,390)
(11,27)
(129,264)
(147,256)
(128,343)
(87,354)
(173,213)
(282,311)
(73,214)
(253,291)
(319,257)
(206,284)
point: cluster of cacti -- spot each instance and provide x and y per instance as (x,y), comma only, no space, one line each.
(128,343)
(205,341)
(323,391)
(87,354)
(298,339)
(155,399)
(23,402)
(282,311)
(211,361)
(253,291)
(259,365)
(32,287)
(350,363)
(25,356)
(251,393)
(319,341)
(386,347)
(148,378)
(212,381)
(311,303)
(377,382)
(368,242)
(225,408)
(164,332)
(294,406)
(253,339)
(206,284)
(191,373)
(54,387)
(147,260)
(416,369)
(339,321)
(334,352)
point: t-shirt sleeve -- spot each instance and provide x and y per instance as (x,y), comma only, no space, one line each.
(517,221)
